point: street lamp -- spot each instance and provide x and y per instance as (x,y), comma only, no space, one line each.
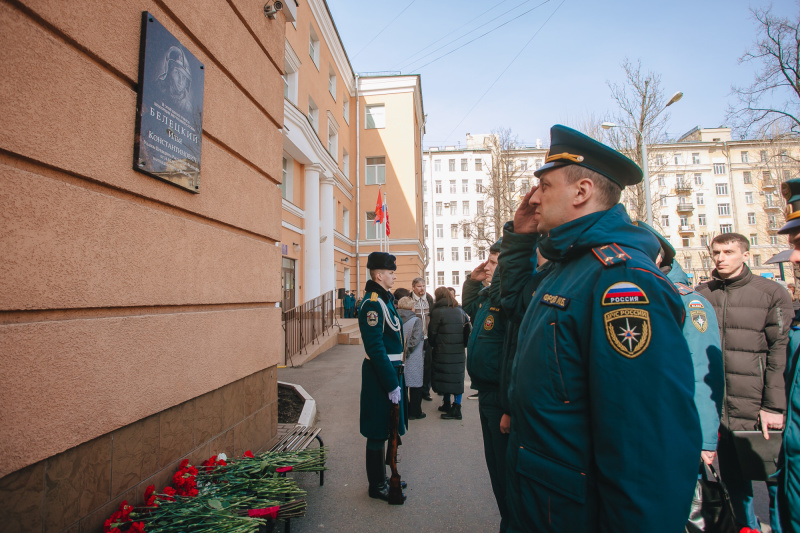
(645,171)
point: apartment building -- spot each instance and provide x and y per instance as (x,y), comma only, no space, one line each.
(346,137)
(703,184)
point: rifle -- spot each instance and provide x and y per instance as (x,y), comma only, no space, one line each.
(395,490)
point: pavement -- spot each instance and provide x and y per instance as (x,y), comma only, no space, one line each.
(441,460)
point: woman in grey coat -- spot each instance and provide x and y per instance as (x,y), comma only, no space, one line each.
(412,331)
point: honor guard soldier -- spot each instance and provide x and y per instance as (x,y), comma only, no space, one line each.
(702,335)
(605,435)
(381,372)
(789,476)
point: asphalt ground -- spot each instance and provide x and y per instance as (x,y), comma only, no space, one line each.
(441,460)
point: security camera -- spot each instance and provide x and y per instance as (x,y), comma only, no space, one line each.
(271,9)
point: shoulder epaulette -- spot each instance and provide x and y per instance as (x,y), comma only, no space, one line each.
(373,297)
(683,289)
(610,254)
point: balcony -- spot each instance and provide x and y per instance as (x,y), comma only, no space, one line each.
(770,207)
(683,186)
(773,229)
(768,184)
(685,207)
(687,229)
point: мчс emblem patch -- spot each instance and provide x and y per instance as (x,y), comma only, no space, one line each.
(628,331)
(488,324)
(372,318)
(624,293)
(699,319)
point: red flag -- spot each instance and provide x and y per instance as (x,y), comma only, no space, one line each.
(386,216)
(379,209)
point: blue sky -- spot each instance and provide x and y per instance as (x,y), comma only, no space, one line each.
(562,75)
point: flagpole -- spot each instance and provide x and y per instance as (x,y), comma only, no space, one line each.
(386,219)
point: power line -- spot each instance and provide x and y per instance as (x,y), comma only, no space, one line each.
(384,28)
(480,16)
(506,69)
(480,36)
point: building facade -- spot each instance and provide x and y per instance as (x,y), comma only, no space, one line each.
(345,138)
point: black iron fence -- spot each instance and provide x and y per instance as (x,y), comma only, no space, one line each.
(306,323)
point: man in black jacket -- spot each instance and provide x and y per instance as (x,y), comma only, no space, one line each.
(754,317)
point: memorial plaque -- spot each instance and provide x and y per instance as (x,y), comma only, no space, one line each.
(169,125)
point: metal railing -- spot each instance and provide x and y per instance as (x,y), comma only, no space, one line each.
(306,323)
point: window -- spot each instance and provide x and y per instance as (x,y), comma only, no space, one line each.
(509,166)
(757,260)
(766,175)
(440,278)
(313,47)
(685,243)
(773,239)
(465,229)
(753,239)
(787,175)
(376,171)
(439,209)
(332,82)
(662,180)
(769,200)
(677,159)
(428,278)
(698,178)
(376,117)
(724,209)
(287,185)
(523,165)
(346,108)
(480,208)
(456,278)
(346,163)
(452,186)
(453,208)
(704,242)
(478,185)
(763,155)
(467,253)
(290,65)
(701,220)
(346,222)
(333,137)
(660,159)
(481,231)
(512,185)
(426,231)
(464,165)
(525,186)
(467,273)
(465,208)
(464,186)
(665,221)
(478,164)
(745,157)
(439,231)
(687,261)
(440,254)
(481,253)
(370,230)
(696,158)
(747,177)
(784,156)
(706,263)
(539,163)
(719,169)
(751,218)
(684,220)
(700,198)
(681,181)
(454,254)
(726,228)
(664,201)
(437,165)
(748,198)
(451,165)
(313,114)
(722,189)
(438,186)
(454,231)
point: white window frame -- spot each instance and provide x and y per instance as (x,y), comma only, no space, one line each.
(333,137)
(377,168)
(370,228)
(751,219)
(345,222)
(440,231)
(313,46)
(346,108)
(748,197)
(291,66)
(287,184)
(346,163)
(723,210)
(332,82)
(375,117)
(719,169)
(313,114)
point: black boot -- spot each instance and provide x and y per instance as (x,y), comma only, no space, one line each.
(445,407)
(376,475)
(454,413)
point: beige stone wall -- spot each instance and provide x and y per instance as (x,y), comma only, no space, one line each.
(130,308)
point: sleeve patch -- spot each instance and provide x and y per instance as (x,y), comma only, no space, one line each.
(488,324)
(610,254)
(628,331)
(699,320)
(696,304)
(624,293)
(555,300)
(372,318)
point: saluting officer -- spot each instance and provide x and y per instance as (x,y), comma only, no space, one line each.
(604,432)
(381,383)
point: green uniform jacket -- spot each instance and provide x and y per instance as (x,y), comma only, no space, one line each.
(789,484)
(379,375)
(485,347)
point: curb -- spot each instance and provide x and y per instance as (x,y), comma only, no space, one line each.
(309,412)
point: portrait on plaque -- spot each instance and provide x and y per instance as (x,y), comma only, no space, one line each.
(169,125)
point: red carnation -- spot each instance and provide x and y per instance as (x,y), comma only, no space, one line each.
(249,454)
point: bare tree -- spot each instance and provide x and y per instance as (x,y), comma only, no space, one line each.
(501,196)
(774,96)
(641,103)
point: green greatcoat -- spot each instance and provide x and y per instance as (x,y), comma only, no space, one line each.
(379,375)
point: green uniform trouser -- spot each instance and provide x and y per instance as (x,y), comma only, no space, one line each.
(494,448)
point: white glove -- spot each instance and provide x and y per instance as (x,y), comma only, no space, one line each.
(394,396)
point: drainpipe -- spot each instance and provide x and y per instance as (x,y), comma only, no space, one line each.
(358,189)
(730,180)
(422,175)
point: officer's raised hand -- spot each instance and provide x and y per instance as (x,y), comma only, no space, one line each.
(479,274)
(524,218)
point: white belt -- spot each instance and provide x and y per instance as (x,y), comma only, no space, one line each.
(391,356)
